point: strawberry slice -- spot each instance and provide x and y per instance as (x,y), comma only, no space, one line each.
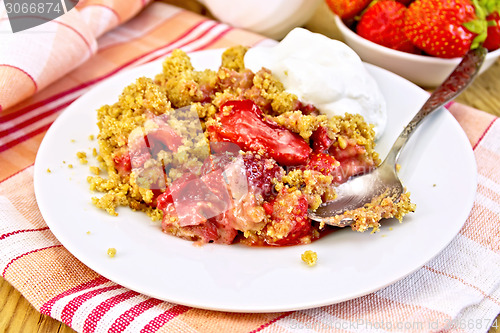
(323,163)
(383,24)
(243,123)
(195,208)
(437,26)
(260,174)
(321,142)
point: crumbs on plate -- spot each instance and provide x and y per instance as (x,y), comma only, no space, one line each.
(309,257)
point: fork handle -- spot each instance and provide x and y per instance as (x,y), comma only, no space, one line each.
(455,83)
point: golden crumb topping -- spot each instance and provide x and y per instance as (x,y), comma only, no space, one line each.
(309,257)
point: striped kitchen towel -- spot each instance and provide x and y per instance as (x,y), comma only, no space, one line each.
(27,65)
(444,295)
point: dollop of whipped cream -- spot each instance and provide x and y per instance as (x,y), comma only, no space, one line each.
(324,72)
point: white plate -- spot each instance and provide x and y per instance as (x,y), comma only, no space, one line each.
(438,167)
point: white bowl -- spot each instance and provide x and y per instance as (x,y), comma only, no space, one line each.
(425,71)
(273,18)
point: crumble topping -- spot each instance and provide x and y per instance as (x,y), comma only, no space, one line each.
(171,140)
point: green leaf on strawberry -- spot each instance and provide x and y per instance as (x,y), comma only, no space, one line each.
(479,26)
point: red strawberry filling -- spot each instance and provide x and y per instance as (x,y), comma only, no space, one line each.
(234,191)
(243,123)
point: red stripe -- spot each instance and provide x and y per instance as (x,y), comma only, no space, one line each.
(261,327)
(122,322)
(89,47)
(16,173)
(167,51)
(36,105)
(88,83)
(137,36)
(193,39)
(58,22)
(25,254)
(155,324)
(70,308)
(215,39)
(98,312)
(47,306)
(211,42)
(484,133)
(31,134)
(33,120)
(21,231)
(449,104)
(25,73)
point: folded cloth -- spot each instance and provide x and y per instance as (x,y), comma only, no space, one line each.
(27,65)
(459,290)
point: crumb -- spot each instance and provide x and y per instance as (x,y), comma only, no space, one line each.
(94,152)
(88,232)
(73,140)
(309,257)
(434,185)
(95,170)
(82,157)
(91,137)
(111,252)
(390,228)
(64,162)
(70,166)
(383,235)
(48,170)
(398,167)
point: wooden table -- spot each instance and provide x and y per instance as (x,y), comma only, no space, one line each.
(17,315)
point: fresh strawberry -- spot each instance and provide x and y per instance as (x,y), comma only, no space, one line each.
(289,219)
(437,26)
(383,23)
(492,41)
(347,9)
(243,123)
(323,163)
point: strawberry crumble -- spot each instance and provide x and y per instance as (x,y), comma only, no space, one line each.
(229,156)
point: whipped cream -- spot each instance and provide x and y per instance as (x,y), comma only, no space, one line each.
(323,72)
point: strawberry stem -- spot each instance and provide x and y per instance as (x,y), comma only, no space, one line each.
(479,26)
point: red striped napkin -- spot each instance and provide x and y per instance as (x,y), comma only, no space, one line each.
(458,291)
